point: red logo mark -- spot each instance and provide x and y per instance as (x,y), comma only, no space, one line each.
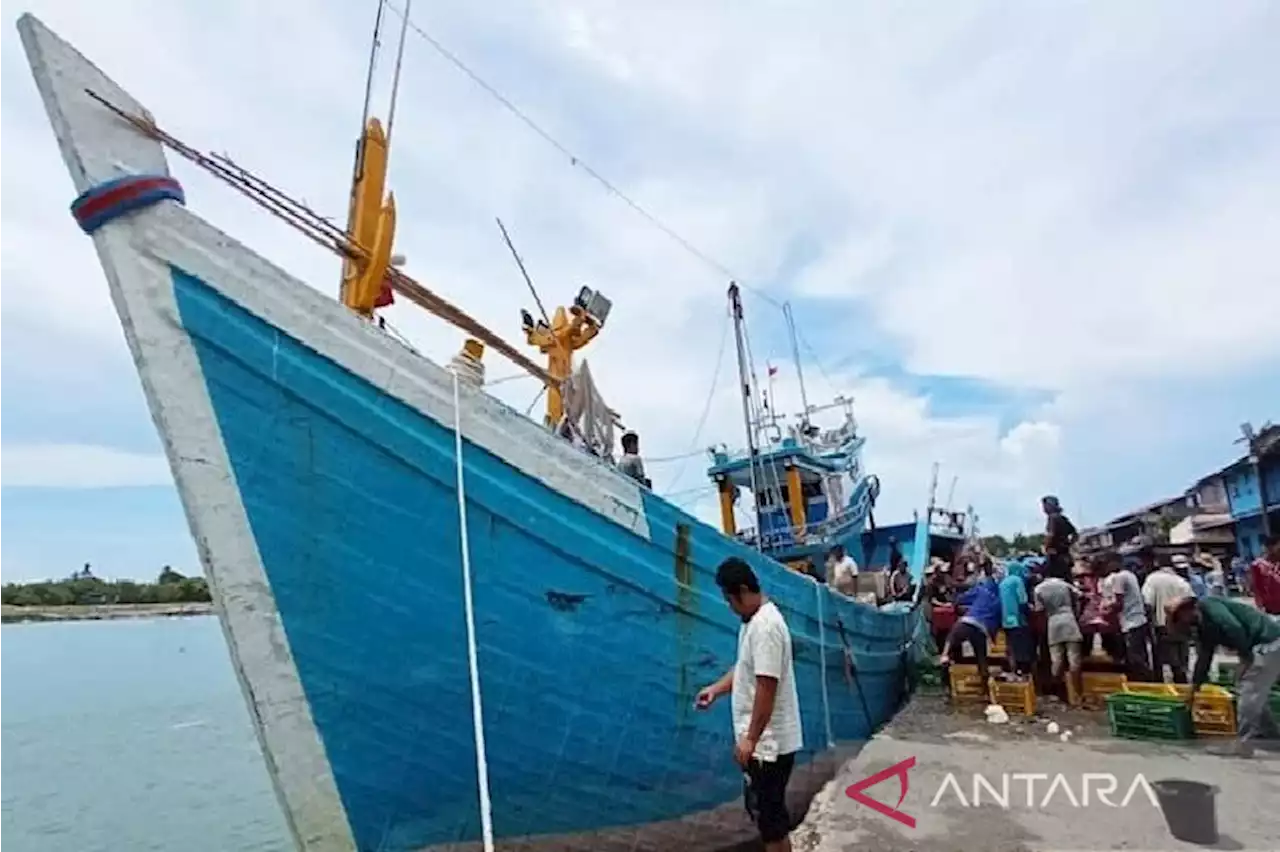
(854,791)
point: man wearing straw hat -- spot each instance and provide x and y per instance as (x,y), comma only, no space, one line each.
(1255,638)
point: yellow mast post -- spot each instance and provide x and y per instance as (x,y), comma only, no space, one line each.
(795,498)
(568,332)
(371,224)
(727,520)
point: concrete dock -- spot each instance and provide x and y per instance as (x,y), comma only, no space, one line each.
(1033,792)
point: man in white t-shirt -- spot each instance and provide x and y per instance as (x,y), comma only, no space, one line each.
(1161,587)
(1134,627)
(842,571)
(766,709)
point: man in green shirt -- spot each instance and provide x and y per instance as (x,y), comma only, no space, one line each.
(1254,637)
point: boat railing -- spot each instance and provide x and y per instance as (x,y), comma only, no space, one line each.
(787,536)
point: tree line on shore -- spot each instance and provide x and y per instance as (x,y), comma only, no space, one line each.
(170,586)
(998,545)
(84,588)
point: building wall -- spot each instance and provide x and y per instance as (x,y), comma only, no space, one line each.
(1242,487)
(1242,491)
(1211,496)
(1271,472)
(1249,537)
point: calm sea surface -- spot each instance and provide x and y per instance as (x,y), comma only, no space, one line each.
(129,735)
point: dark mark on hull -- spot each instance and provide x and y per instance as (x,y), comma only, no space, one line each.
(564,601)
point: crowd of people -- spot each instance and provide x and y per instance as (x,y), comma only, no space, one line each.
(1147,614)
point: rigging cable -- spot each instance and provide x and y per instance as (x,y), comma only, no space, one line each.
(577,162)
(529,411)
(520,263)
(373,61)
(753,396)
(395,78)
(574,160)
(407,23)
(677,457)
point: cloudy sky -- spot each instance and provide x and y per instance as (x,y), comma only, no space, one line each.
(1036,242)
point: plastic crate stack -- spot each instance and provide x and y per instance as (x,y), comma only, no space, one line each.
(1139,716)
(1214,713)
(1015,696)
(1098,686)
(965,684)
(1226,675)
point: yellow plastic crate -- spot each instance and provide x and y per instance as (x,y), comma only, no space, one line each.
(1098,685)
(999,645)
(965,685)
(1162,689)
(1017,696)
(1214,711)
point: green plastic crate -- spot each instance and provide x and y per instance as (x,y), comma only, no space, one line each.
(1149,717)
(1226,674)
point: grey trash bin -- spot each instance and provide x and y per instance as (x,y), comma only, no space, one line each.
(1190,809)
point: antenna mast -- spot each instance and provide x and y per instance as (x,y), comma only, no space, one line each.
(933,494)
(735,309)
(951,492)
(795,355)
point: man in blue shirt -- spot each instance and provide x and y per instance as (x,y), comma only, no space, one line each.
(978,624)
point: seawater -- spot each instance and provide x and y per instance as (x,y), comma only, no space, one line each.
(129,735)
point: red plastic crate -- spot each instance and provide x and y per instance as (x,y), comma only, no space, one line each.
(944,617)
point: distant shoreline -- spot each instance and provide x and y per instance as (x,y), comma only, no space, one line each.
(11,614)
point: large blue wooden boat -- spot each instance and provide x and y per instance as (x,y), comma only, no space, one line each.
(320,463)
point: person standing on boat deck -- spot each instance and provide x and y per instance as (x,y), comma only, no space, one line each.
(842,571)
(766,709)
(1059,536)
(631,464)
(895,555)
(1255,638)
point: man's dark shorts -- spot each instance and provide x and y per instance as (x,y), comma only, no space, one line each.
(766,796)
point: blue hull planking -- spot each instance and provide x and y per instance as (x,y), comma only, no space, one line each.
(590,648)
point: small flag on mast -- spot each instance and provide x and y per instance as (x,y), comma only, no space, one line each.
(773,371)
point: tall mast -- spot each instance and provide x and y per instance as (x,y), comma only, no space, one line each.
(735,308)
(933,493)
(795,355)
(357,169)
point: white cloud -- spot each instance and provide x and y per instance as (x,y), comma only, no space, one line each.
(80,466)
(1041,198)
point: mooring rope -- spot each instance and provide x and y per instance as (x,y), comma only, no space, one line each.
(822,665)
(473,662)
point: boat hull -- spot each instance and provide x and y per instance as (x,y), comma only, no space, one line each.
(315,458)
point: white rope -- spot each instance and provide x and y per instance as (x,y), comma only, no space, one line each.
(477,713)
(822,662)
